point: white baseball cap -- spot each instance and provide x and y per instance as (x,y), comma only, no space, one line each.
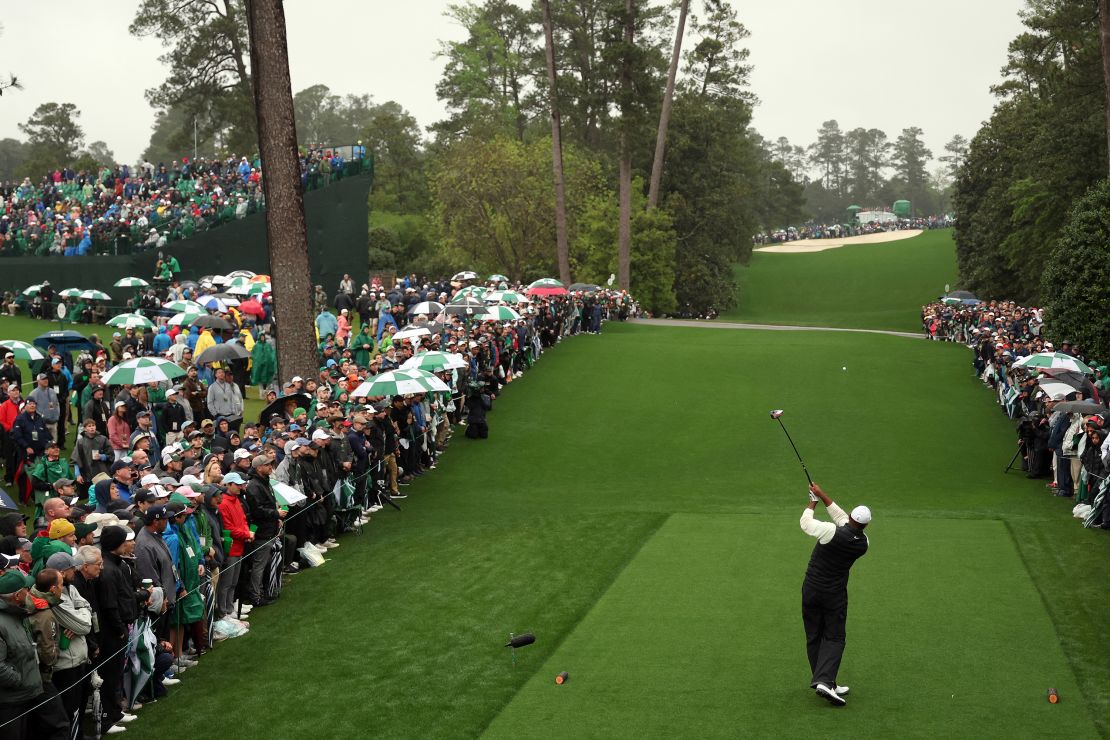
(241,453)
(148,479)
(861,514)
(320,434)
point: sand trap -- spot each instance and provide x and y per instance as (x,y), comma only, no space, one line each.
(820,245)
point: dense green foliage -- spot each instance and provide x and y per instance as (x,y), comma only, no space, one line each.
(1076,285)
(1042,148)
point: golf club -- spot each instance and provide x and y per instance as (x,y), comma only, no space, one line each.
(777,416)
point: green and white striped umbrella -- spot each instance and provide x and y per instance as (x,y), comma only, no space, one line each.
(1053,361)
(95,295)
(547,283)
(286,494)
(32,290)
(142,370)
(130,320)
(249,288)
(505,296)
(435,361)
(22,350)
(399,382)
(499,313)
(236,282)
(473,291)
(497,278)
(184,306)
(185,318)
(131,282)
(70,293)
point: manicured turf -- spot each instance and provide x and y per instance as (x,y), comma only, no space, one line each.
(401,633)
(869,286)
(637,510)
(689,642)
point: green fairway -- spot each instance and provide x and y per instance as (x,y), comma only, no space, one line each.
(868,286)
(689,642)
(401,633)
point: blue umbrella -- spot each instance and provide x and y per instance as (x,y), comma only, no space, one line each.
(65,341)
(6,501)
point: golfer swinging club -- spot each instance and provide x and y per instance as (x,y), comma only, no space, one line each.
(825,589)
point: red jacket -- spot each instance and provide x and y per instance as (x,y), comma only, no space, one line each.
(8,412)
(231,510)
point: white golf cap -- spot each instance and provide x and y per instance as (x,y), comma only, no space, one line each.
(148,479)
(861,514)
(241,453)
(320,434)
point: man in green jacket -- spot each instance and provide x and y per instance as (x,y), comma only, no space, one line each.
(21,688)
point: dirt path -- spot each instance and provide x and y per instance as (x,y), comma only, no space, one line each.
(767,327)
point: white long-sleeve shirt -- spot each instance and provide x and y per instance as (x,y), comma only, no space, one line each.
(823,531)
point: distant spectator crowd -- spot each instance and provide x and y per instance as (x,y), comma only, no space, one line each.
(840,231)
(123,208)
(174,514)
(1057,395)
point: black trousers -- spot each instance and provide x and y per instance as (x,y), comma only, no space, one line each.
(74,687)
(110,670)
(825,615)
(46,722)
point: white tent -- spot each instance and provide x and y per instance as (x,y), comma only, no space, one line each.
(882,217)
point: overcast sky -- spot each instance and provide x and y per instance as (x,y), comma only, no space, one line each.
(870,63)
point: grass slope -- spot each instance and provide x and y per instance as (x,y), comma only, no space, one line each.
(705,609)
(401,634)
(866,286)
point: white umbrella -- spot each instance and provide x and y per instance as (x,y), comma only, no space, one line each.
(131,282)
(428,307)
(142,370)
(184,306)
(21,350)
(70,293)
(398,382)
(213,304)
(95,295)
(465,275)
(435,361)
(410,332)
(185,318)
(1052,388)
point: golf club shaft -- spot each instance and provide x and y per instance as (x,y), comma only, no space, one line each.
(796,453)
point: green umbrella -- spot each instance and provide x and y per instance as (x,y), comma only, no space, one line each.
(497,278)
(949,300)
(22,350)
(474,291)
(32,290)
(398,382)
(70,293)
(95,295)
(500,313)
(505,296)
(433,362)
(285,494)
(236,282)
(187,306)
(130,320)
(547,283)
(131,282)
(1053,361)
(142,370)
(185,318)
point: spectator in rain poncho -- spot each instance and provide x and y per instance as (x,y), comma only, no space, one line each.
(263,362)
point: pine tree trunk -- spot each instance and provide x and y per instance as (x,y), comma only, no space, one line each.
(561,246)
(1104,37)
(665,111)
(624,228)
(286,233)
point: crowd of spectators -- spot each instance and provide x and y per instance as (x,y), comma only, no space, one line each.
(1056,394)
(174,515)
(123,208)
(840,231)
